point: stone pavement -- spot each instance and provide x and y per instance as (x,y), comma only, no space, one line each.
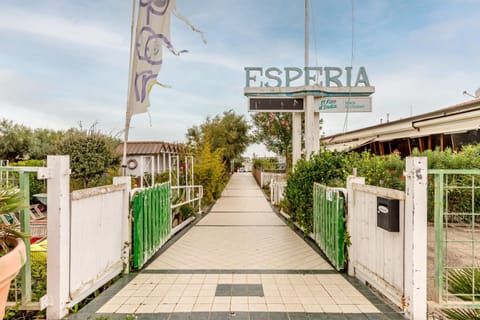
(241,261)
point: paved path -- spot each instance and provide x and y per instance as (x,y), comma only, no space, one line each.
(241,261)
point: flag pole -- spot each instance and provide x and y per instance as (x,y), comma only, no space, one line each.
(128,116)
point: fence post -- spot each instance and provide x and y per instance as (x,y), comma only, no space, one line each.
(416,237)
(126,221)
(350,222)
(26,279)
(58,259)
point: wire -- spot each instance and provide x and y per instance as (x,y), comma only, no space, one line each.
(352,57)
(314,25)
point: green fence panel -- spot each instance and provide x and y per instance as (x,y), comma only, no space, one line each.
(329,223)
(19,177)
(457,242)
(151,222)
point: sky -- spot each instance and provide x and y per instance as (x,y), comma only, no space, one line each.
(64,63)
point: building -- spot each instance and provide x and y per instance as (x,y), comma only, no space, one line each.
(150,156)
(450,127)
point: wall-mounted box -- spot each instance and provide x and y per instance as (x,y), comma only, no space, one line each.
(388,217)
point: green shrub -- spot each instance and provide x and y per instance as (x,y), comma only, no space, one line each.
(326,168)
(332,169)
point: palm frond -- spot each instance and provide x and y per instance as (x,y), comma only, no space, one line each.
(465,283)
(462,313)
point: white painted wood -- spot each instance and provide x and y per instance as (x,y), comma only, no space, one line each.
(376,255)
(296,137)
(97,237)
(310,126)
(267,177)
(126,220)
(352,226)
(416,237)
(58,225)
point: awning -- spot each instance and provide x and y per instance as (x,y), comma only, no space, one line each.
(346,146)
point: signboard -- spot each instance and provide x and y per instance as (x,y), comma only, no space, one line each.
(275,104)
(343,104)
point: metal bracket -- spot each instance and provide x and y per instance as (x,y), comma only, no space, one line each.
(43,173)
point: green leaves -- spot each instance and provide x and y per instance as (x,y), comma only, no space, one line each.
(91,154)
(11,201)
(332,169)
(465,283)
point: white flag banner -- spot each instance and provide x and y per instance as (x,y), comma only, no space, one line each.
(151,35)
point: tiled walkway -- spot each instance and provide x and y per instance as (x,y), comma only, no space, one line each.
(241,261)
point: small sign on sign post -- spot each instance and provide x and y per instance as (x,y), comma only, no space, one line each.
(343,104)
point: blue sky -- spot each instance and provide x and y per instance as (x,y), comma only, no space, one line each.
(64,62)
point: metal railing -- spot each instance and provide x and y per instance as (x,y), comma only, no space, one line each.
(21,294)
(457,237)
(329,222)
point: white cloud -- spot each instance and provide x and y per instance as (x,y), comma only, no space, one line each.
(76,32)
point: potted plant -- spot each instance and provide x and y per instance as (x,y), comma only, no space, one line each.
(12,247)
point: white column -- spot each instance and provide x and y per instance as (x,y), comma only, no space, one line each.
(296,137)
(310,127)
(58,228)
(164,168)
(126,223)
(316,131)
(351,226)
(416,237)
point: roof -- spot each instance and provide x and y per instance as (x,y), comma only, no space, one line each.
(151,147)
(454,119)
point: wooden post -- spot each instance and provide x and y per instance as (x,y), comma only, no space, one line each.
(352,250)
(58,228)
(416,237)
(441,141)
(380,146)
(429,143)
(126,222)
(420,143)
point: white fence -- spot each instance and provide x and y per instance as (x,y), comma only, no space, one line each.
(394,263)
(277,188)
(267,177)
(88,236)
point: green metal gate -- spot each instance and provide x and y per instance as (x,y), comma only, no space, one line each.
(152,222)
(456,215)
(329,222)
(20,177)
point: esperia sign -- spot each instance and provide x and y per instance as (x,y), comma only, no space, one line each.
(322,76)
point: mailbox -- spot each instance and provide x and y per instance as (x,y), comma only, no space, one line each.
(388,217)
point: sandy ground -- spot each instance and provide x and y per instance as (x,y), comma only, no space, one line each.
(458,254)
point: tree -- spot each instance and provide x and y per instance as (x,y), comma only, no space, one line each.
(227,132)
(44,142)
(15,140)
(209,171)
(274,130)
(91,154)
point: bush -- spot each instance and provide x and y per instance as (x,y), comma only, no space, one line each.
(265,164)
(332,169)
(326,168)
(209,172)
